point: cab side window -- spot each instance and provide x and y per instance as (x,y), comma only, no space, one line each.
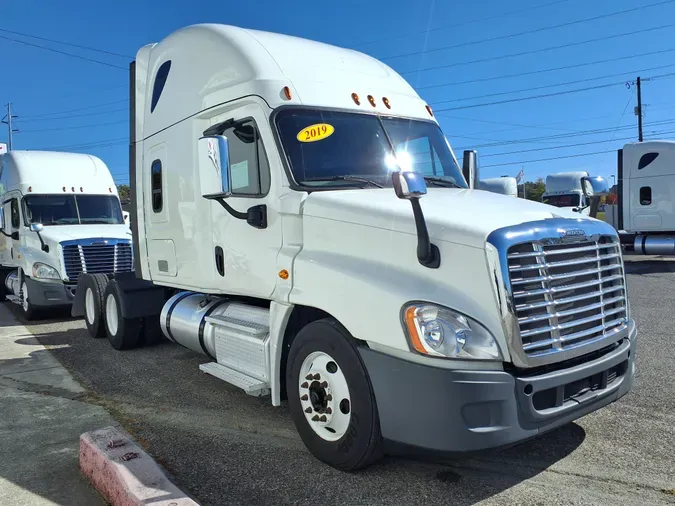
(249,168)
(16,216)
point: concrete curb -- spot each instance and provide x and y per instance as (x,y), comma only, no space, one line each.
(123,473)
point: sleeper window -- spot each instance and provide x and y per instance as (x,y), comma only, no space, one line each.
(156,185)
(645,195)
(160,81)
(249,169)
(16,217)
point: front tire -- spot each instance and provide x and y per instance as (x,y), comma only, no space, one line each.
(29,310)
(330,397)
(123,333)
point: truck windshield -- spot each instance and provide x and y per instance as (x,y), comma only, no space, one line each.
(351,149)
(73,209)
(567,200)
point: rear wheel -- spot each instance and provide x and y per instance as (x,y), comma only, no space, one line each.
(330,397)
(123,333)
(94,288)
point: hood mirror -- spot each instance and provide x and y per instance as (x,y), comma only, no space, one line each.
(594,186)
(37,228)
(411,186)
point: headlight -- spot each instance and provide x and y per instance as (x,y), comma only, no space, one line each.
(44,271)
(437,331)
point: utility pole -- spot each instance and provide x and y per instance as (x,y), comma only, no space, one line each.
(7,120)
(638,109)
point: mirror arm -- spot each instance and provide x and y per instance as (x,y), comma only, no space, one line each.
(45,248)
(255,216)
(428,254)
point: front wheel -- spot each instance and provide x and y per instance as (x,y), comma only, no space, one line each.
(29,311)
(330,397)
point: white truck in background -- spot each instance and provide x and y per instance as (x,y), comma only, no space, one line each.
(503,185)
(60,217)
(566,190)
(644,213)
(300,220)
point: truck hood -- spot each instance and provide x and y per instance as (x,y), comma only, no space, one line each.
(59,233)
(455,215)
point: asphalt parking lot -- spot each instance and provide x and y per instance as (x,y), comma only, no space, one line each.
(225,447)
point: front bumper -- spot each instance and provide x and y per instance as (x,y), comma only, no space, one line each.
(43,293)
(465,410)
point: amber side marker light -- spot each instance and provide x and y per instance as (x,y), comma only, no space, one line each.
(283,274)
(431,113)
(371,99)
(30,188)
(287,93)
(385,100)
(412,330)
(355,98)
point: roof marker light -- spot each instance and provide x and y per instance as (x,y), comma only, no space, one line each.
(64,188)
(385,100)
(72,188)
(371,99)
(30,188)
(355,98)
(110,190)
(81,189)
(430,111)
(287,92)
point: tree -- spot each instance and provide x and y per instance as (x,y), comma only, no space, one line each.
(124,191)
(533,189)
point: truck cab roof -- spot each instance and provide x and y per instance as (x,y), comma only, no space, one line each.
(201,66)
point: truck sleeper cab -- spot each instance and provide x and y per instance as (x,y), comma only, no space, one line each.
(301,221)
(60,217)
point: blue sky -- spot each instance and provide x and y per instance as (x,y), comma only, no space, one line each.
(42,85)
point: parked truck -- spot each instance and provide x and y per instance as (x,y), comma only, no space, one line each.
(644,213)
(60,217)
(502,185)
(301,221)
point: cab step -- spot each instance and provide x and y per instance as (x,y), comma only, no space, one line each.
(252,386)
(246,326)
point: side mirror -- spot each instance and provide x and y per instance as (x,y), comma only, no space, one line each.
(409,185)
(36,227)
(214,163)
(470,168)
(594,186)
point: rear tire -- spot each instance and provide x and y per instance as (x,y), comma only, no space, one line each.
(334,413)
(94,288)
(123,333)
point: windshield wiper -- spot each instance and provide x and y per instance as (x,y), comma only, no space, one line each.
(356,179)
(439,181)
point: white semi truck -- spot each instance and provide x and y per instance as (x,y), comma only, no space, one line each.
(60,217)
(502,185)
(566,189)
(644,213)
(300,220)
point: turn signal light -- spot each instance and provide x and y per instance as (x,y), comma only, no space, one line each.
(385,100)
(287,92)
(371,99)
(430,111)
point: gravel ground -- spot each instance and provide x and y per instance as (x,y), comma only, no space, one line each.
(228,448)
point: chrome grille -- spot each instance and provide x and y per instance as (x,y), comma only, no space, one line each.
(96,258)
(567,295)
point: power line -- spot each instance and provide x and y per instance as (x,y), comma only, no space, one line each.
(562,136)
(76,127)
(528,32)
(79,115)
(545,95)
(590,79)
(63,52)
(457,25)
(540,50)
(67,43)
(39,116)
(565,67)
(576,144)
(101,143)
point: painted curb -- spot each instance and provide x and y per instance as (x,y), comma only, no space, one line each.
(123,473)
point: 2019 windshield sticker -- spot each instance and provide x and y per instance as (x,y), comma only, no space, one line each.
(314,133)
